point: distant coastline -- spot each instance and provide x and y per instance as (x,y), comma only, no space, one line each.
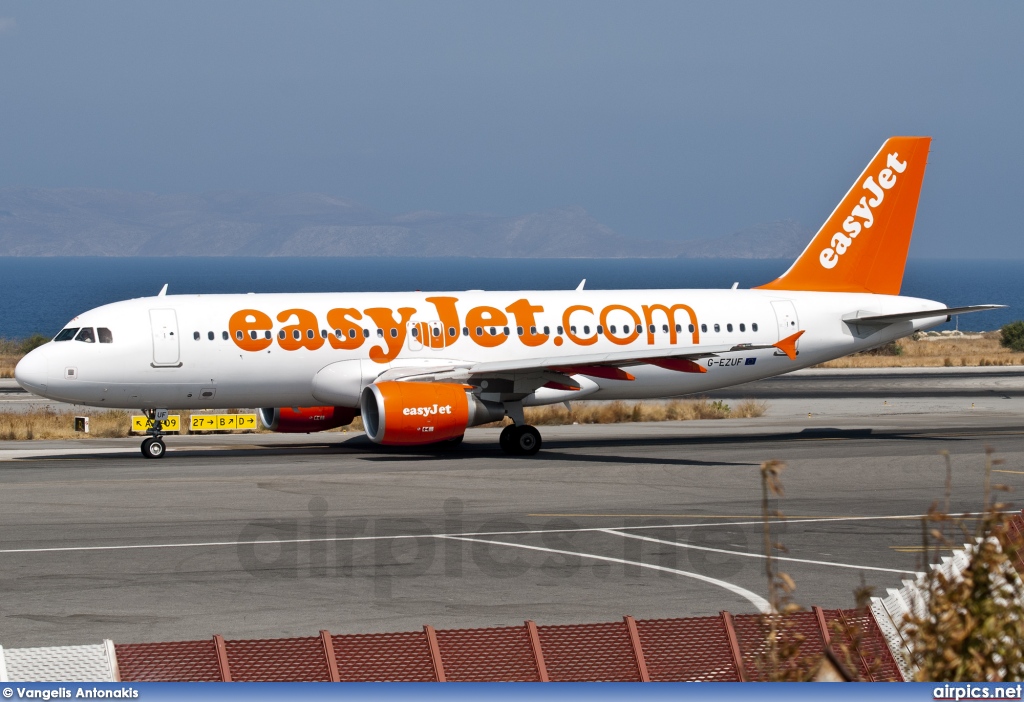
(116,223)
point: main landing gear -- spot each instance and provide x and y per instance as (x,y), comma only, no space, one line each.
(153,445)
(520,440)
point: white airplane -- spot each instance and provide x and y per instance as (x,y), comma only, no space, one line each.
(422,367)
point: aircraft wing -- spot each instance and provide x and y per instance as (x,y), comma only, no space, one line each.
(600,365)
(885,319)
(613,358)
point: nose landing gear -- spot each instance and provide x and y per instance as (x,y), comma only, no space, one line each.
(153,445)
(520,440)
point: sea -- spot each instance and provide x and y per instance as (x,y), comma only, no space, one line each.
(38,295)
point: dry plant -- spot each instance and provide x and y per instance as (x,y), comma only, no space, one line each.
(933,351)
(970,624)
(782,658)
(51,424)
(619,412)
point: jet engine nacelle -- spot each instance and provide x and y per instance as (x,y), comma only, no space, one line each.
(409,413)
(302,420)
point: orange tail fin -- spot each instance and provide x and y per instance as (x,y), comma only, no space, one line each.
(862,247)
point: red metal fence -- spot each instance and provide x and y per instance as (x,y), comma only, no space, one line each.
(723,648)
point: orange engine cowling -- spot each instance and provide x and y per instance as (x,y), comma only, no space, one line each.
(396,413)
(302,420)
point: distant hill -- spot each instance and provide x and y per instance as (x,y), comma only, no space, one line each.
(94,222)
(783,239)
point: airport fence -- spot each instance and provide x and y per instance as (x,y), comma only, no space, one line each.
(723,648)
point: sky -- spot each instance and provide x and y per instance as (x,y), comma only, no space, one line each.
(670,120)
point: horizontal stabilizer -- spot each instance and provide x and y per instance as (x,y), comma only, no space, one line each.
(883,319)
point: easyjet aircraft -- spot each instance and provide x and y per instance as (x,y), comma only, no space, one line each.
(422,367)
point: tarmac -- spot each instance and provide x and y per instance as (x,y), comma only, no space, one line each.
(282,535)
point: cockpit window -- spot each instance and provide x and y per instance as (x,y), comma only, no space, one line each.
(86,335)
(66,334)
(105,336)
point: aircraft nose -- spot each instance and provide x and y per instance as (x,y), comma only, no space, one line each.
(31,371)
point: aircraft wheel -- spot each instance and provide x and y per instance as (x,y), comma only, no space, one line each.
(526,440)
(505,439)
(153,448)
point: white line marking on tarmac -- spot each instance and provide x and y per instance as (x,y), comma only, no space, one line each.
(752,597)
(751,555)
(524,532)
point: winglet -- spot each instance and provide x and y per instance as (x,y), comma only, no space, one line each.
(163,291)
(788,345)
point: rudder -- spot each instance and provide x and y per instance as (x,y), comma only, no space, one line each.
(862,247)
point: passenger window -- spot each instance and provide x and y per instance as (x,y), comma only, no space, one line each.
(743,327)
(451,332)
(611,329)
(224,335)
(415,333)
(209,335)
(572,328)
(479,331)
(754,326)
(195,335)
(547,330)
(519,331)
(253,335)
(280,334)
(86,335)
(600,329)
(323,333)
(310,334)
(380,333)
(639,329)
(533,331)
(679,328)
(494,331)
(296,335)
(465,331)
(105,336)
(394,333)
(366,333)
(704,327)
(728,327)
(66,334)
(651,328)
(337,333)
(435,332)
(505,331)
(238,335)
(561,330)
(718,328)
(352,333)
(690,328)
(664,329)
(586,328)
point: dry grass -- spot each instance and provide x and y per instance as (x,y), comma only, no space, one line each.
(620,412)
(105,424)
(942,351)
(7,364)
(48,424)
